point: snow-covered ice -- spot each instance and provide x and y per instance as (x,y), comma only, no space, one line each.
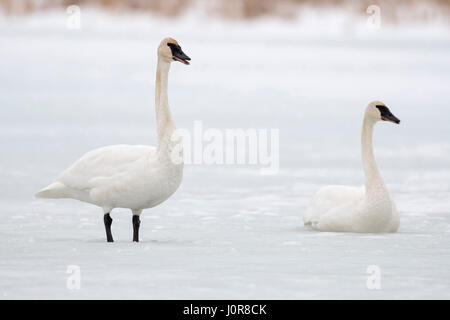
(228,232)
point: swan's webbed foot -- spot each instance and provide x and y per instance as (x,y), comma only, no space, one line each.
(108,222)
(136,224)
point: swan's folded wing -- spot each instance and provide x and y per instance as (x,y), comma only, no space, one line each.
(339,219)
(330,197)
(104,162)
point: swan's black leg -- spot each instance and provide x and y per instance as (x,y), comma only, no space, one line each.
(136,224)
(108,222)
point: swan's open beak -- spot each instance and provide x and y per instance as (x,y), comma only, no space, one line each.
(179,55)
(182,60)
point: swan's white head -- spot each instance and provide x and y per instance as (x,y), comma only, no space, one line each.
(169,50)
(377,110)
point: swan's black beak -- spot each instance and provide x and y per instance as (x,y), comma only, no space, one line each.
(386,114)
(178,54)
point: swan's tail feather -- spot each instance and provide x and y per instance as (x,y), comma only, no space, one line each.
(53,191)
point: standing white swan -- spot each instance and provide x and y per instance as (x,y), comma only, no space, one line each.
(351,209)
(127,176)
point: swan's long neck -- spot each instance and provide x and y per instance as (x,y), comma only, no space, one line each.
(374,182)
(164,123)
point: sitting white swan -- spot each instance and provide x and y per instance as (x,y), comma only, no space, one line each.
(127,176)
(350,209)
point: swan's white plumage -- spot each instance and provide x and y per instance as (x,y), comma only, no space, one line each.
(109,162)
(119,176)
(330,197)
(345,209)
(351,209)
(128,176)
(124,176)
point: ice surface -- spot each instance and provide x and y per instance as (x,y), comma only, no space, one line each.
(228,232)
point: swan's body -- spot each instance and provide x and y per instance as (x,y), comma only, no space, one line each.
(119,176)
(351,209)
(126,176)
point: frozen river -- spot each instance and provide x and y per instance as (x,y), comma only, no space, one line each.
(228,232)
